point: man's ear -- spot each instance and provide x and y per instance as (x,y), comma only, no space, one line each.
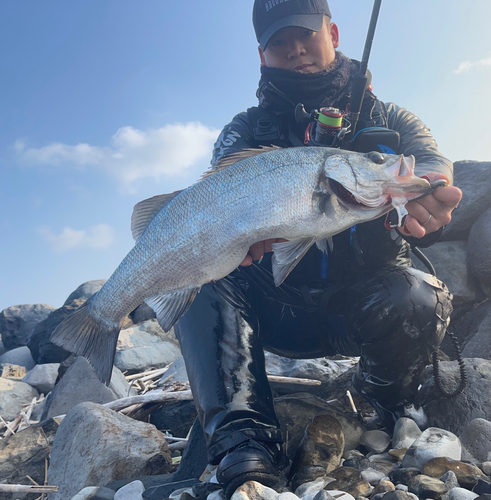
(261,55)
(334,32)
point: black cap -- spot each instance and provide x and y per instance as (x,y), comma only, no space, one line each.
(269,16)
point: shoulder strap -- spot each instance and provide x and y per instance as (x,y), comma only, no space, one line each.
(265,125)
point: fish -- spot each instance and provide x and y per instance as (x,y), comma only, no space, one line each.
(201,234)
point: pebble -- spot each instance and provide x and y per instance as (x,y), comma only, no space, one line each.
(476,439)
(403,475)
(92,492)
(254,490)
(376,441)
(461,494)
(405,433)
(133,491)
(432,443)
(467,474)
(486,468)
(312,487)
(383,487)
(372,476)
(450,480)
(426,487)
(401,487)
(287,495)
(323,495)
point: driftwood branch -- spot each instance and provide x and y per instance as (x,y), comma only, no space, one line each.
(293,380)
(21,488)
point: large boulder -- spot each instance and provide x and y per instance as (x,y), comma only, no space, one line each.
(453,414)
(145,346)
(85,291)
(20,356)
(17,323)
(474,179)
(14,396)
(479,253)
(95,445)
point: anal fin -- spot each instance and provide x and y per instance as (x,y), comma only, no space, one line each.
(170,306)
(286,256)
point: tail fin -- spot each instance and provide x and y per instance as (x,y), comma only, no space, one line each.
(82,334)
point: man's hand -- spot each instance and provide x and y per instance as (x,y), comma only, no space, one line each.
(257,251)
(430,213)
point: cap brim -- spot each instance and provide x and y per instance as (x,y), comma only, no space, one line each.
(308,21)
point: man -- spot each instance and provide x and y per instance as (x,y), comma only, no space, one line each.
(362,299)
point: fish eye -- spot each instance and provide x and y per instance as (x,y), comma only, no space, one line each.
(376,157)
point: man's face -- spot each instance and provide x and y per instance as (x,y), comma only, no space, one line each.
(298,49)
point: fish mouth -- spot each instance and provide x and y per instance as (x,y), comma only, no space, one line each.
(350,201)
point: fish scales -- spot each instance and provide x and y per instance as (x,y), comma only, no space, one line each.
(205,231)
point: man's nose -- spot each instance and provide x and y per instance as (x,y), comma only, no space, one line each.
(295,49)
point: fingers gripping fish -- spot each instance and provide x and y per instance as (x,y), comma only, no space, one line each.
(203,233)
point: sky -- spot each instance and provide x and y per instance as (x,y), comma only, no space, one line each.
(105,103)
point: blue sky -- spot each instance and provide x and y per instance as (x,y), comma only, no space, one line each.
(105,103)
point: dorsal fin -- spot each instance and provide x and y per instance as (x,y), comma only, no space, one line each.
(146,210)
(233,158)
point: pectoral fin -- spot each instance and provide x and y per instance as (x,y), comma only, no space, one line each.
(286,256)
(170,306)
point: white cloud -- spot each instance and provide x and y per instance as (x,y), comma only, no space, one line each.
(465,66)
(98,237)
(134,154)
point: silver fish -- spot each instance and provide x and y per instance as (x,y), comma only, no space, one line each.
(203,233)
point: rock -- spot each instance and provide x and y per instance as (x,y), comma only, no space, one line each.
(475,324)
(9,370)
(398,454)
(426,486)
(376,441)
(95,493)
(85,291)
(42,377)
(339,495)
(482,487)
(455,413)
(311,488)
(296,411)
(402,475)
(177,417)
(320,450)
(19,356)
(17,322)
(132,491)
(479,253)
(253,490)
(42,349)
(2,347)
(145,346)
(432,443)
(178,371)
(406,432)
(119,386)
(372,476)
(479,345)
(467,474)
(14,396)
(24,454)
(383,487)
(486,467)
(79,384)
(349,480)
(476,440)
(450,261)
(95,445)
(461,494)
(142,313)
(397,495)
(450,480)
(474,179)
(321,495)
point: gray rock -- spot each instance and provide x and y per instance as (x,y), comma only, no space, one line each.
(24,453)
(406,432)
(142,313)
(85,291)
(296,411)
(145,346)
(178,371)
(455,413)
(450,261)
(95,493)
(426,487)
(372,476)
(42,349)
(349,480)
(486,467)
(401,487)
(17,322)
(466,327)
(383,487)
(253,490)
(2,347)
(476,440)
(177,417)
(461,494)
(311,488)
(479,250)
(131,491)
(320,450)
(376,441)
(402,475)
(95,445)
(432,443)
(19,356)
(42,377)
(119,386)
(79,384)
(450,480)
(14,396)
(479,345)
(474,179)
